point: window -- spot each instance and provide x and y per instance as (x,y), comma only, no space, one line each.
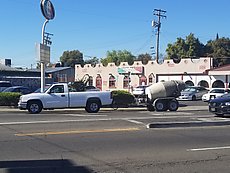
(151,77)
(99,82)
(5,84)
(57,89)
(62,78)
(112,81)
(126,82)
(90,80)
(142,80)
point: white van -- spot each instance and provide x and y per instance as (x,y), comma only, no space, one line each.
(4,85)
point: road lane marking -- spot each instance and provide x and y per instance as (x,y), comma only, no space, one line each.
(135,122)
(92,119)
(76,132)
(84,115)
(206,149)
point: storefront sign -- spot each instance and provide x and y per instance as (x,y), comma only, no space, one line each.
(131,70)
(43,53)
(47,9)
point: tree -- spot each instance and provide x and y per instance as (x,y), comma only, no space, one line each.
(195,47)
(93,61)
(118,56)
(144,58)
(70,58)
(219,49)
(186,48)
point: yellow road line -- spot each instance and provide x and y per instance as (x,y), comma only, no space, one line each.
(77,132)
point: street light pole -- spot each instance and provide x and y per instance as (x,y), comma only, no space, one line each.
(43,82)
(48,12)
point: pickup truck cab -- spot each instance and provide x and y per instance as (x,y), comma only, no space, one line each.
(61,96)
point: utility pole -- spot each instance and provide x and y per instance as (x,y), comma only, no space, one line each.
(157,24)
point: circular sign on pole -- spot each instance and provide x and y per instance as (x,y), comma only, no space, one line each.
(47,9)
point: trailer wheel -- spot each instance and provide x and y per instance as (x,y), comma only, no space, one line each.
(173,105)
(93,106)
(160,105)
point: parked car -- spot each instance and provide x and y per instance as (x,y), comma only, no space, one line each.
(192,93)
(20,89)
(220,105)
(215,93)
(4,85)
(140,90)
(45,88)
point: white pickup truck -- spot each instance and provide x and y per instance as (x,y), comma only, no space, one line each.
(60,96)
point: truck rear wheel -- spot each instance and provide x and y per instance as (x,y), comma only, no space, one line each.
(93,106)
(160,105)
(34,107)
(173,105)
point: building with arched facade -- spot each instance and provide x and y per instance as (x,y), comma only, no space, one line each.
(195,72)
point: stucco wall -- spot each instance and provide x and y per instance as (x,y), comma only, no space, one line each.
(187,69)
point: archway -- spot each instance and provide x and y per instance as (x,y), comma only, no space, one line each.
(126,81)
(218,84)
(142,80)
(203,83)
(151,79)
(189,83)
(90,80)
(112,81)
(99,82)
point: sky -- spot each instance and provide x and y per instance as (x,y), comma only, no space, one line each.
(96,26)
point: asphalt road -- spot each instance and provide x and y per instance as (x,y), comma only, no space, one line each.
(112,141)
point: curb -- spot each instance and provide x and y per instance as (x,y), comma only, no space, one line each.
(187,124)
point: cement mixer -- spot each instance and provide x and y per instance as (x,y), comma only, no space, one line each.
(162,96)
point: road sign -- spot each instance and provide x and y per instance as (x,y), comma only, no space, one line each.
(43,53)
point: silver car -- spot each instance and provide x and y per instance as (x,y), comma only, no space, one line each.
(140,90)
(193,93)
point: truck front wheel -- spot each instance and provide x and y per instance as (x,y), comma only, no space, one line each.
(93,106)
(34,107)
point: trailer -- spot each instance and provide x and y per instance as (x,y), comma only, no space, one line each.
(162,96)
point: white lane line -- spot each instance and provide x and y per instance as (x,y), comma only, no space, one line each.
(135,122)
(206,149)
(58,121)
(88,119)
(82,115)
(167,113)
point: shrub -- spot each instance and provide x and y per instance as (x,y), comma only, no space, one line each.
(122,97)
(9,98)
